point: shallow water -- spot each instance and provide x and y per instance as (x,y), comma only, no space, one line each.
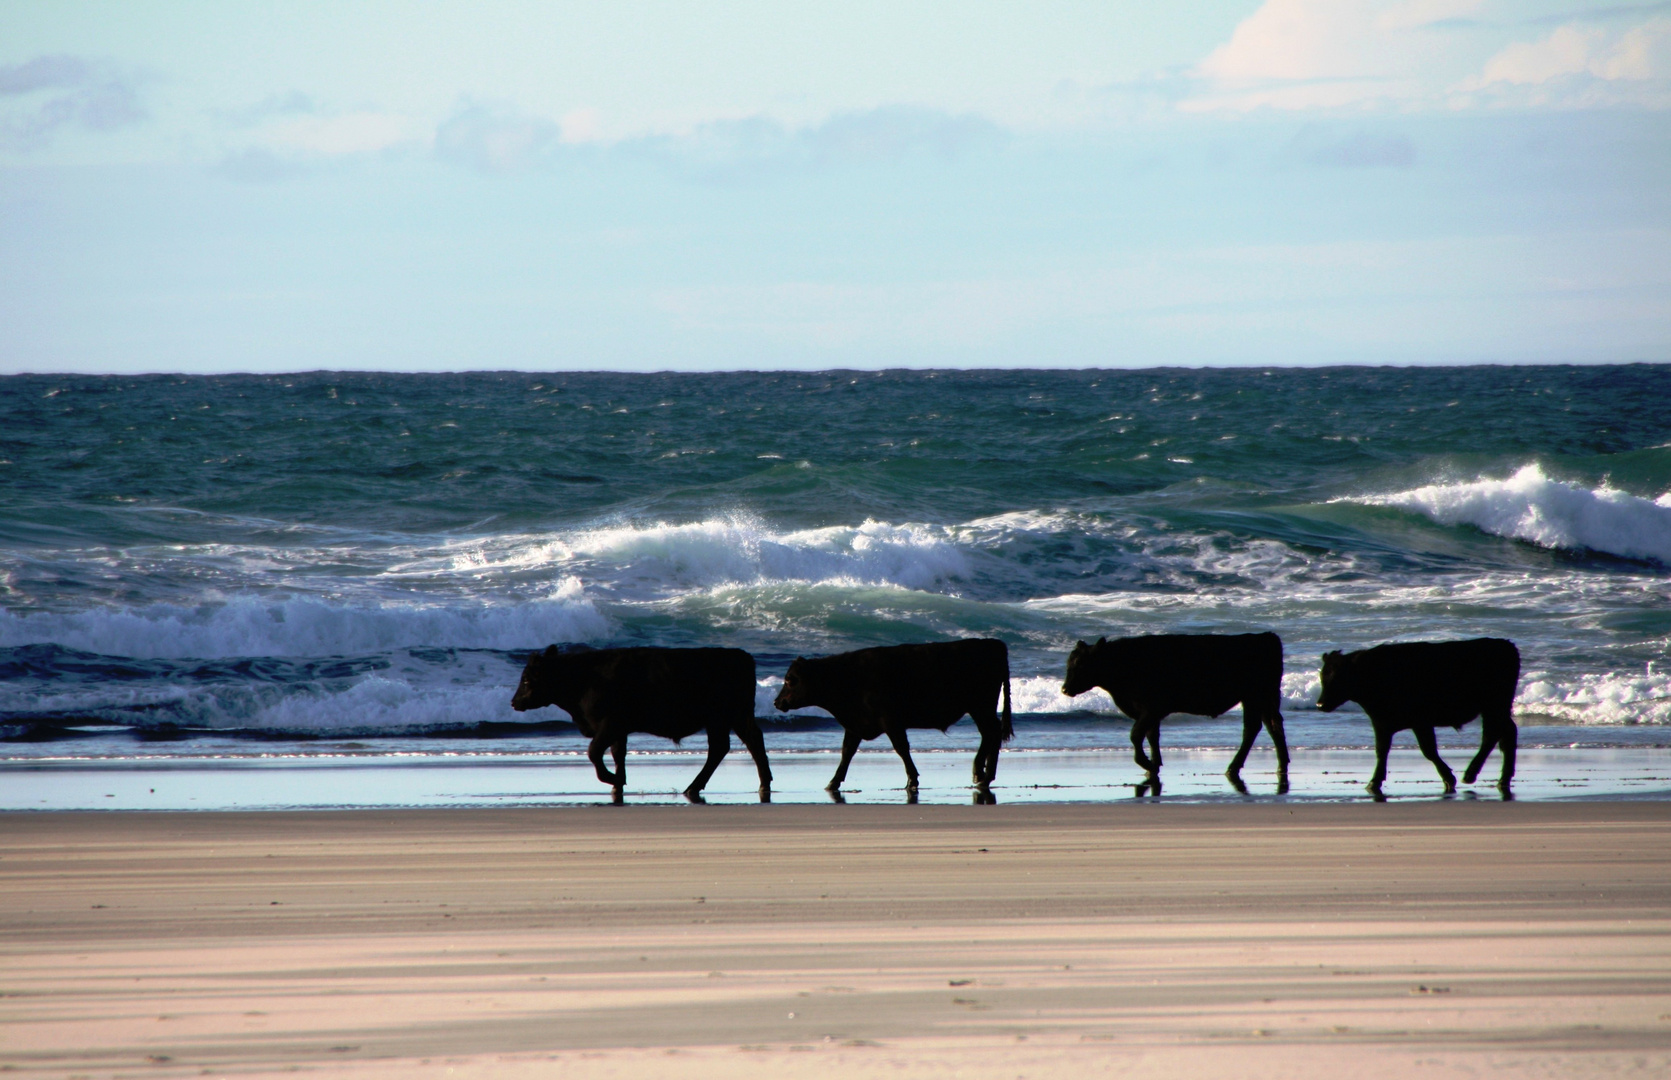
(566,779)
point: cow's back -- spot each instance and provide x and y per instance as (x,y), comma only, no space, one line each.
(936,676)
(1445,683)
(1199,674)
(683,690)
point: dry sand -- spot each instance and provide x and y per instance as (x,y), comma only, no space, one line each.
(1436,939)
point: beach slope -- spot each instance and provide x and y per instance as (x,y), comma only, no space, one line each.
(1444,938)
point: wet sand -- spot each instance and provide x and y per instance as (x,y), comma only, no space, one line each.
(371,780)
(1130,939)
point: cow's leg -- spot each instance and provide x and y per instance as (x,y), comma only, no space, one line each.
(1430,749)
(1250,731)
(750,734)
(618,750)
(719,744)
(1139,731)
(986,758)
(1488,740)
(1154,743)
(1273,724)
(1137,748)
(1383,743)
(849,746)
(599,744)
(1509,742)
(902,747)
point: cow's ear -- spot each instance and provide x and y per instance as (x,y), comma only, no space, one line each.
(1082,644)
(1335,655)
(1102,640)
(552,650)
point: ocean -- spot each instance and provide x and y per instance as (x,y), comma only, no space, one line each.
(327,567)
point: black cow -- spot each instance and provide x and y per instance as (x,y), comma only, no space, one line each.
(1422,685)
(887,690)
(612,693)
(1152,677)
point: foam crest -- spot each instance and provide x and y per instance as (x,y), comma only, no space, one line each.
(1530,506)
(1041,695)
(1033,695)
(1614,697)
(305,626)
(740,549)
(384,706)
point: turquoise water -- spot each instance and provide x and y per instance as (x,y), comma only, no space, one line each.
(343,563)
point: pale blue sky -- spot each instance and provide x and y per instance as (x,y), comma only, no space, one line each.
(226,186)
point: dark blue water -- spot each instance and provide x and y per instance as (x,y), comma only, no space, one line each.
(360,561)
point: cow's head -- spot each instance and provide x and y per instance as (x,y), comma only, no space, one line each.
(796,694)
(542,679)
(1337,682)
(1082,668)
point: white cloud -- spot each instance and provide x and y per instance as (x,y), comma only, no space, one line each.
(1411,54)
(345,133)
(581,126)
(875,136)
(1637,54)
(494,138)
(284,133)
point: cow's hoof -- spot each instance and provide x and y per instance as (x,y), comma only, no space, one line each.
(694,797)
(1450,786)
(765,794)
(836,796)
(1236,782)
(1470,776)
(1281,783)
(833,786)
(617,795)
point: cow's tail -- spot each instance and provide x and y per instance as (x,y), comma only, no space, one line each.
(1008,729)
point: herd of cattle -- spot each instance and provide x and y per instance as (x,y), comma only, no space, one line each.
(674,693)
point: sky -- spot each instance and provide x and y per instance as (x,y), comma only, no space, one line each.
(236,186)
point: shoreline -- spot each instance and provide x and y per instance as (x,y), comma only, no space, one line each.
(1319,939)
(372,781)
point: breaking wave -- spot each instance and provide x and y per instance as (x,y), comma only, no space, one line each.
(304,626)
(1613,697)
(730,550)
(1532,507)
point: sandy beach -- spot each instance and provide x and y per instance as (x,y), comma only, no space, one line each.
(1444,938)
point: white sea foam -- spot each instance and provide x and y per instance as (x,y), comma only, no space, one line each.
(374,705)
(1032,695)
(307,626)
(1612,697)
(379,705)
(1550,513)
(734,549)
